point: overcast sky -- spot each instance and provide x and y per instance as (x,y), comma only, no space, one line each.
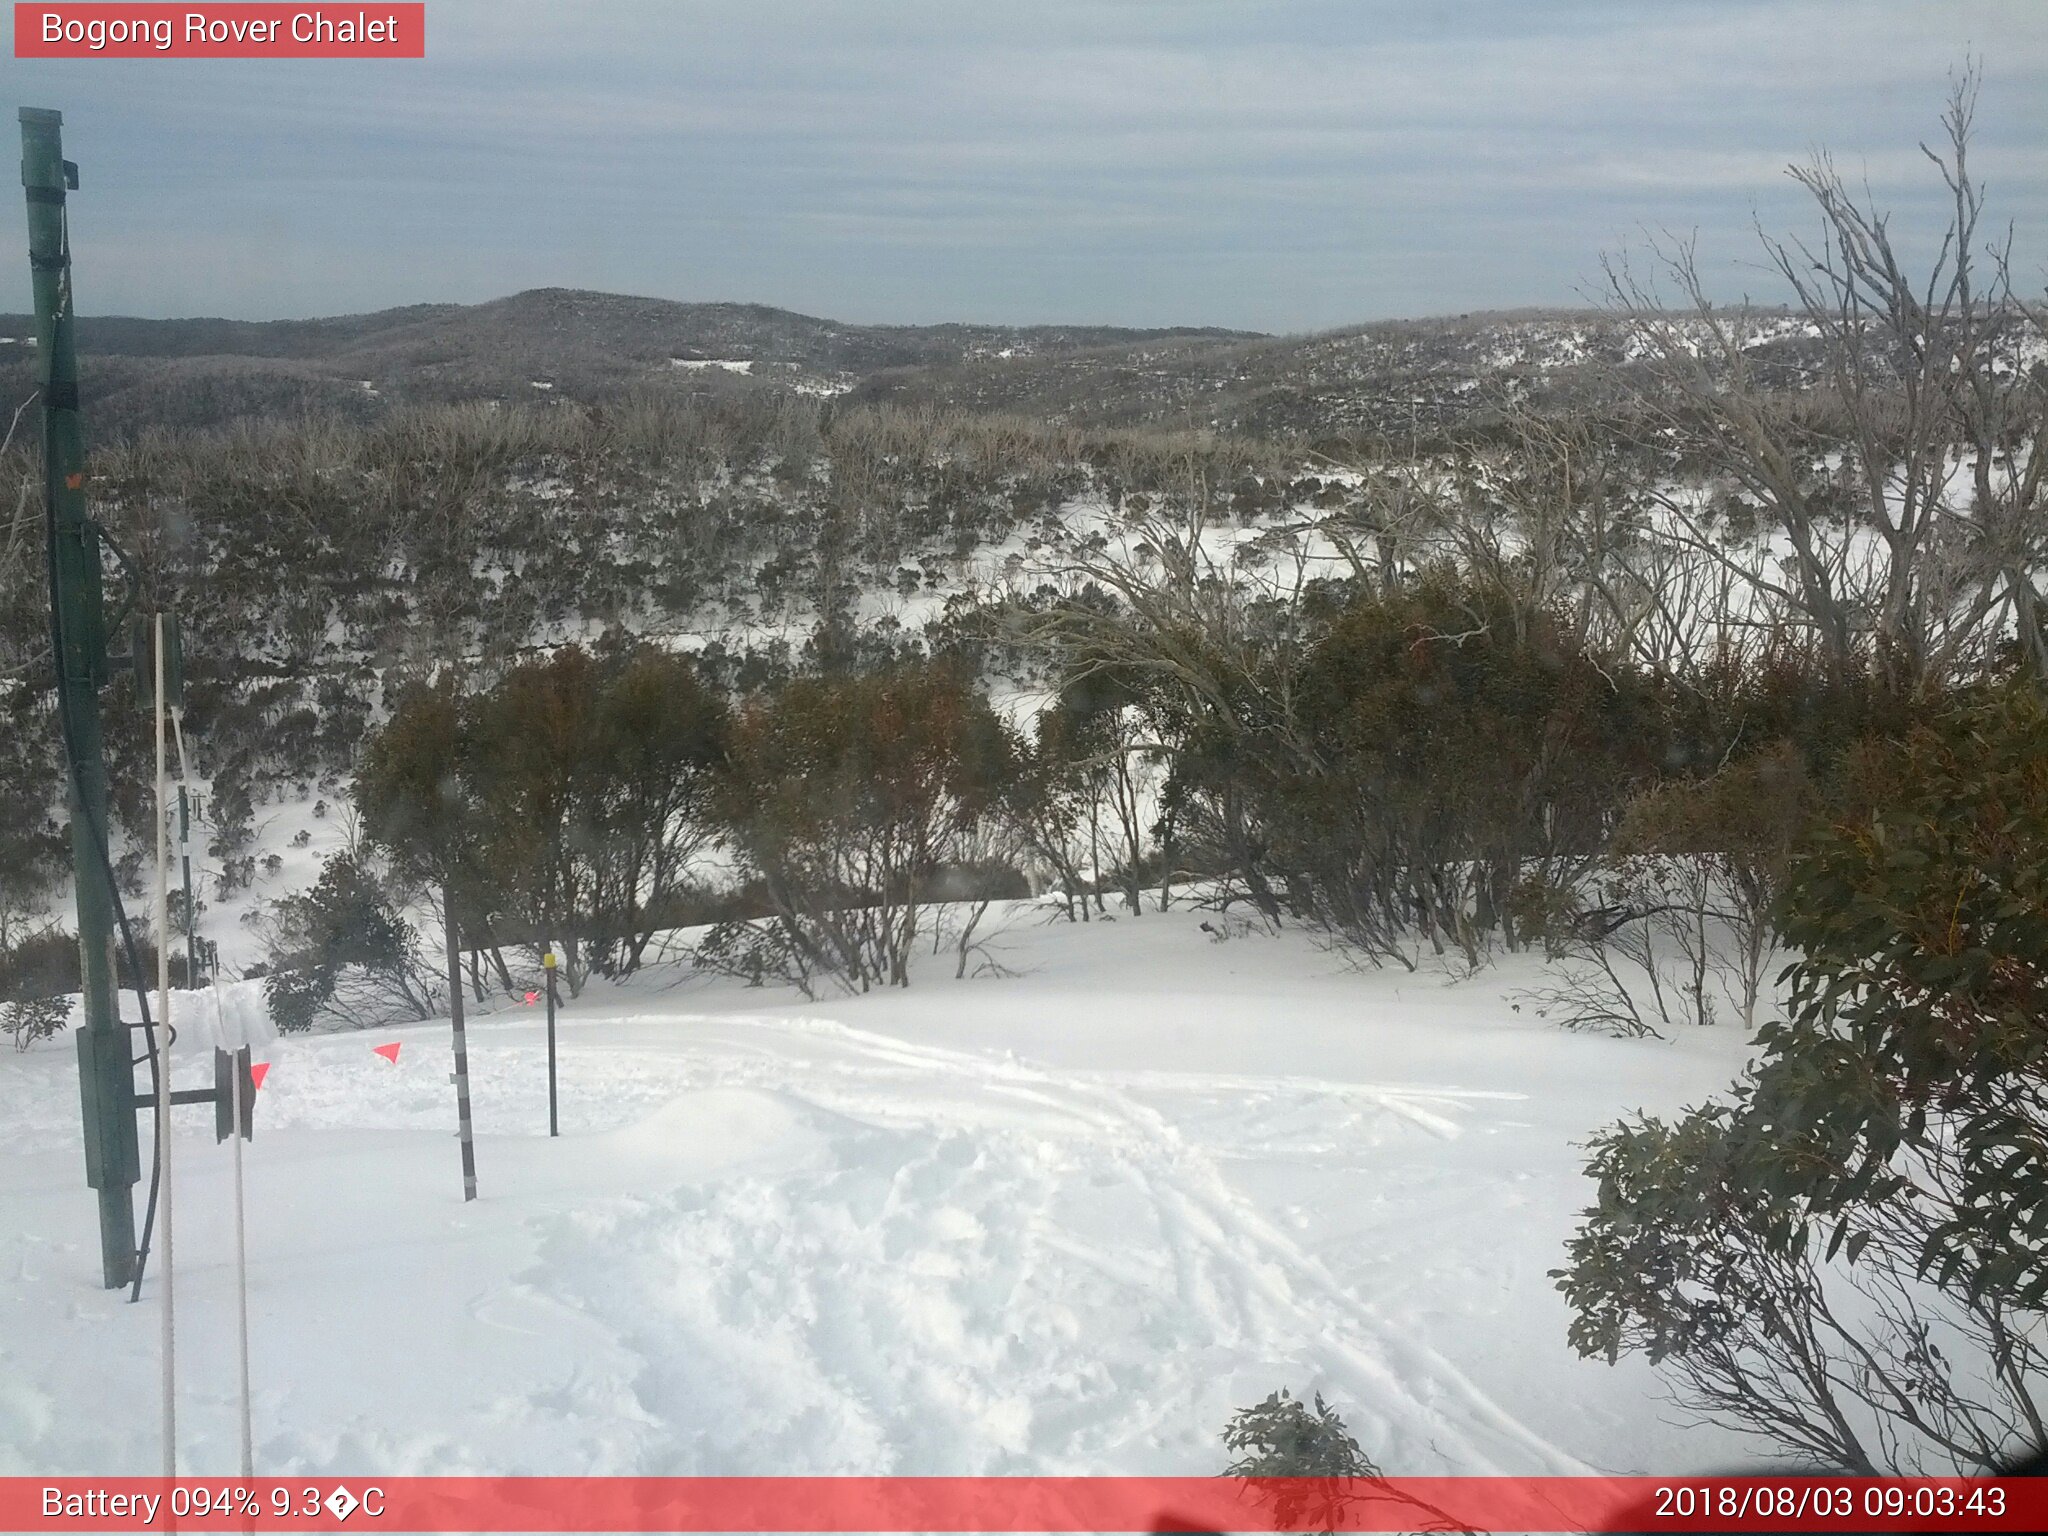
(1275,166)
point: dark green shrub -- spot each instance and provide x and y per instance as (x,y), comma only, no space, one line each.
(1892,1140)
(27,1020)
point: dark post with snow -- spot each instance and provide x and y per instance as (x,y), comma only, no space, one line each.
(460,1076)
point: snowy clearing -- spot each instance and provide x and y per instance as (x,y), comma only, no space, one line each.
(1064,1221)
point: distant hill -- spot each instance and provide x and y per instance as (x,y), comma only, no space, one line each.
(123,336)
(571,344)
(1391,376)
(584,345)
(569,321)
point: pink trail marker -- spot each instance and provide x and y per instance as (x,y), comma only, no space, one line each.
(258,1072)
(388,1052)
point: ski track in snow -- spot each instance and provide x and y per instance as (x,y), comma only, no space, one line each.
(840,1321)
(773,1242)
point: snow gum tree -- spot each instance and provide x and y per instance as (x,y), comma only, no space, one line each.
(1099,722)
(535,760)
(1686,896)
(1850,1254)
(565,803)
(1048,807)
(1304,1466)
(1909,485)
(1362,817)
(659,738)
(844,795)
(417,791)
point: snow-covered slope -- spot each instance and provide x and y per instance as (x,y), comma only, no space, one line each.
(1063,1220)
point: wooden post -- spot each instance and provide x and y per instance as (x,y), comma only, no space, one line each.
(461,1046)
(547,961)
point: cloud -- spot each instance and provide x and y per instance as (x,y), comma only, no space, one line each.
(1280,166)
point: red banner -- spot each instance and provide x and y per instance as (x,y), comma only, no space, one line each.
(214,31)
(783,1504)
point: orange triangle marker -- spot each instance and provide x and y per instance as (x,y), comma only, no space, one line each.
(259,1071)
(388,1052)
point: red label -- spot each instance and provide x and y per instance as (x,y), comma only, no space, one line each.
(359,31)
(144,1505)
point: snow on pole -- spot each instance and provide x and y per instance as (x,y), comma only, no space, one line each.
(235,1078)
(234,1087)
(163,1076)
(185,848)
(241,1270)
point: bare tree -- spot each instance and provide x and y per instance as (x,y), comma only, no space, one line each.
(1906,495)
(17,543)
(1202,634)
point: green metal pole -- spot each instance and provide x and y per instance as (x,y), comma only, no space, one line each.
(106,1074)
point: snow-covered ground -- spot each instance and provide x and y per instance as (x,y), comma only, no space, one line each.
(1065,1220)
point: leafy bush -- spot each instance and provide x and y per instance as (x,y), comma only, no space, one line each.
(1363,822)
(40,965)
(1311,1470)
(1285,1437)
(753,952)
(296,996)
(1924,931)
(344,947)
(28,1020)
(1891,1141)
